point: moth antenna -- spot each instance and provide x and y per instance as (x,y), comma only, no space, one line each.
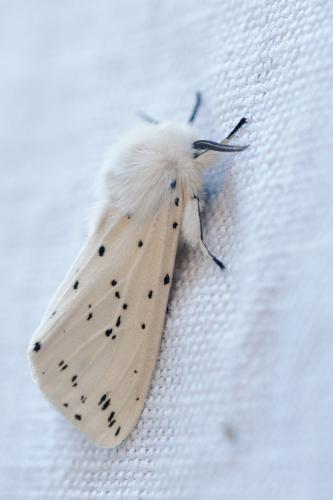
(218,146)
(197,104)
(146,117)
(234,131)
(223,145)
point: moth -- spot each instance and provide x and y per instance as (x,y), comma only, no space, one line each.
(94,353)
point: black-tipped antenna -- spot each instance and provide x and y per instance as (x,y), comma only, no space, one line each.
(195,110)
(234,131)
(217,146)
(146,117)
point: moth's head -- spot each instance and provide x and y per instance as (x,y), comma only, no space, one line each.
(175,146)
(182,146)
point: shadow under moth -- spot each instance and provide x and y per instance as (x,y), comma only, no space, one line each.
(94,353)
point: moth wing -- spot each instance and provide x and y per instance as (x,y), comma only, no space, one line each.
(93,356)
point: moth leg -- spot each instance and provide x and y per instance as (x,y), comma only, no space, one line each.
(192,229)
(207,252)
(203,245)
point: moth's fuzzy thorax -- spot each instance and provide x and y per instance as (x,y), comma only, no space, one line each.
(139,168)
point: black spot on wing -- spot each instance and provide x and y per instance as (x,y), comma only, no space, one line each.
(140,243)
(101,251)
(103,398)
(37,346)
(90,315)
(114,337)
(76,284)
(117,431)
(63,368)
(117,294)
(143,326)
(177,202)
(150,294)
(113,282)
(112,422)
(174,225)
(108,332)
(111,416)
(77,416)
(166,279)
(61,362)
(106,404)
(125,306)
(173,184)
(118,321)
(65,405)
(83,399)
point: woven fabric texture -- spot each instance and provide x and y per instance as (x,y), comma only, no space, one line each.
(241,402)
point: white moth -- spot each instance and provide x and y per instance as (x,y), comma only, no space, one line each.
(94,352)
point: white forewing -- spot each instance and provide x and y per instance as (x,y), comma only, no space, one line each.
(94,353)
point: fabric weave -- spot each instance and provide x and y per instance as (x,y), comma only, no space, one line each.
(241,401)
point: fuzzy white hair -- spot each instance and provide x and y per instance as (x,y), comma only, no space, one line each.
(140,168)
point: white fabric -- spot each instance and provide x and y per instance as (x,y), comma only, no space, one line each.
(241,403)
